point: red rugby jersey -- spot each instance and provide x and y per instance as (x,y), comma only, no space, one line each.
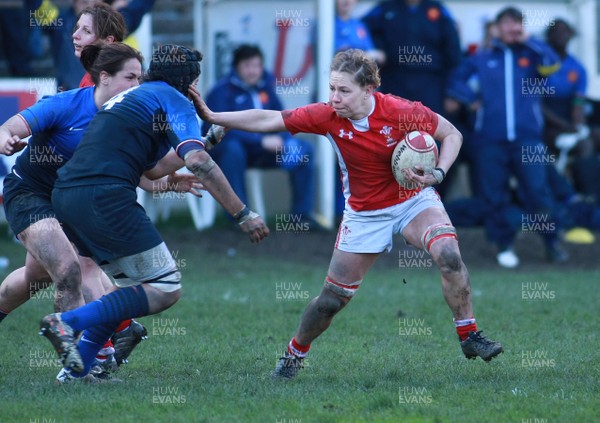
(86,81)
(364,148)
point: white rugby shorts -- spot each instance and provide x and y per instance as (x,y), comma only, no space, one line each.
(372,231)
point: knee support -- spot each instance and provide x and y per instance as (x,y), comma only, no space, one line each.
(346,291)
(168,282)
(155,266)
(436,232)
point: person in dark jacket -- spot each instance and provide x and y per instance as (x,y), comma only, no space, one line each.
(421,46)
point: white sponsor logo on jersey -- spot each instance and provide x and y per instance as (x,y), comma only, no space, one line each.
(348,134)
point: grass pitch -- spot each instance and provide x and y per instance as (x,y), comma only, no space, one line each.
(391,356)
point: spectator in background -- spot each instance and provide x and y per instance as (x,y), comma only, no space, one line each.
(64,37)
(509,133)
(15,32)
(250,86)
(564,113)
(421,46)
(563,110)
(468,211)
(352,33)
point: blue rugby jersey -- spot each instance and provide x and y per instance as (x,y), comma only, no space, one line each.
(131,133)
(57,124)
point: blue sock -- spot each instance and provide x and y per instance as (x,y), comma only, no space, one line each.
(2,315)
(91,342)
(124,303)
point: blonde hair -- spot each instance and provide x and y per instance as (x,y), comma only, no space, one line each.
(357,63)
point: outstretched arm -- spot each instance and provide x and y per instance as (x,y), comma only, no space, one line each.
(214,181)
(254,120)
(175,182)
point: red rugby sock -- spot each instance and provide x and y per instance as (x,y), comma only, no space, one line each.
(463,327)
(124,325)
(298,350)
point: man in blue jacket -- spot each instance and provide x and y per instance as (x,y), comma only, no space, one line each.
(249,86)
(511,76)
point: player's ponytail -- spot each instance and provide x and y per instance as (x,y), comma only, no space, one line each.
(99,57)
(89,54)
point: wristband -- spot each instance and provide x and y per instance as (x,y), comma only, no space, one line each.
(242,213)
(214,136)
(439,174)
(251,215)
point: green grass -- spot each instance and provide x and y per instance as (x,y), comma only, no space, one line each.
(209,357)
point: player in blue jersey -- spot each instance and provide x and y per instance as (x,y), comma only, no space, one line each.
(57,124)
(128,137)
(82,25)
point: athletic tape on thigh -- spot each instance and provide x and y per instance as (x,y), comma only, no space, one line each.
(437,231)
(340,289)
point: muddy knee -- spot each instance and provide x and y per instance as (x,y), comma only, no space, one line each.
(449,260)
(335,296)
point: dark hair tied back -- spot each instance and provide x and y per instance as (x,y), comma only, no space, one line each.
(107,57)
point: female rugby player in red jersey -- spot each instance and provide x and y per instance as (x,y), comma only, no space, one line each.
(363,126)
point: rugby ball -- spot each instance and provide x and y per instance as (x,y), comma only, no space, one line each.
(416,148)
